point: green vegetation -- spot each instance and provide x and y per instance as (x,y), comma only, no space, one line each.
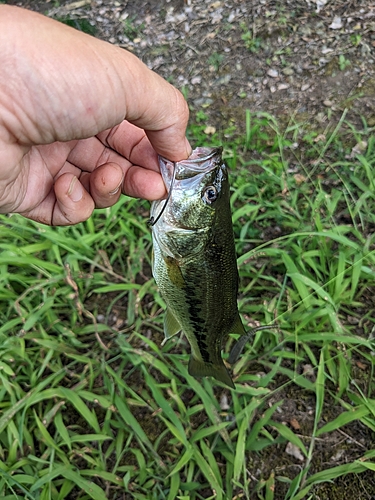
(132,29)
(92,407)
(215,60)
(343,62)
(252,42)
(81,24)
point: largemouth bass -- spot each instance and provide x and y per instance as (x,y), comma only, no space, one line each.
(194,258)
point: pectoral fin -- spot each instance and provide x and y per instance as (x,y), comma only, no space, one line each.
(171,326)
(198,368)
(174,272)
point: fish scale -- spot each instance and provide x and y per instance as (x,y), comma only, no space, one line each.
(194,259)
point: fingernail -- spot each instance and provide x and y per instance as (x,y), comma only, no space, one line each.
(116,190)
(75,191)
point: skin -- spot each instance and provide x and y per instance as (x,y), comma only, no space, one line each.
(81,121)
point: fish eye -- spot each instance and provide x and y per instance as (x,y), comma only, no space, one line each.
(209,194)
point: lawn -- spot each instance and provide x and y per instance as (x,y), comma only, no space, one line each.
(92,407)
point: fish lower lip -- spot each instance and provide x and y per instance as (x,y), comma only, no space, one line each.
(190,229)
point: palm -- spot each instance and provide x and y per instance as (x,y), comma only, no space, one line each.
(49,169)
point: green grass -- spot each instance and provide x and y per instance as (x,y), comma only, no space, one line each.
(92,406)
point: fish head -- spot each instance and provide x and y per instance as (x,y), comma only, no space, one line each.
(198,188)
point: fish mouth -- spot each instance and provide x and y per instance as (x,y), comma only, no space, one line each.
(201,161)
(203,154)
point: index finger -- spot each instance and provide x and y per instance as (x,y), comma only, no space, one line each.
(156,106)
(132,143)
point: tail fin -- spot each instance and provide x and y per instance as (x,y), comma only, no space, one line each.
(200,369)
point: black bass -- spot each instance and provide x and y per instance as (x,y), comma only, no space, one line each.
(194,258)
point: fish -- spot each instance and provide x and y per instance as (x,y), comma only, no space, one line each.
(194,260)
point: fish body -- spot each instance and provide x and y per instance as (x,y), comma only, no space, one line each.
(194,258)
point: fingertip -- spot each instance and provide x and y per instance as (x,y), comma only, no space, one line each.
(73,203)
(143,183)
(170,141)
(105,184)
(165,144)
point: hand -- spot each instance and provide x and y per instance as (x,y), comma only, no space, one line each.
(80,121)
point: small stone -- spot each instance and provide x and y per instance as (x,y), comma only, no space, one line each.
(359,149)
(294,451)
(203,101)
(305,86)
(338,455)
(282,86)
(224,405)
(288,71)
(273,89)
(224,80)
(273,73)
(336,23)
(328,103)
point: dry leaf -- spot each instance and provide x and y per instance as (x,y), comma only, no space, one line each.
(299,178)
(295,424)
(209,130)
(361,365)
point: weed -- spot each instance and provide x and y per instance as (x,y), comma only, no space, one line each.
(356,39)
(132,30)
(80,24)
(252,43)
(93,407)
(343,62)
(215,60)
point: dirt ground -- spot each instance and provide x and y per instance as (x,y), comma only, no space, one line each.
(311,59)
(308,58)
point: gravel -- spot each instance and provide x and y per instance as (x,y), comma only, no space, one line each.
(302,57)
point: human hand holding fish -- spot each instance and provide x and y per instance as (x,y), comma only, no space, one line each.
(194,260)
(81,121)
